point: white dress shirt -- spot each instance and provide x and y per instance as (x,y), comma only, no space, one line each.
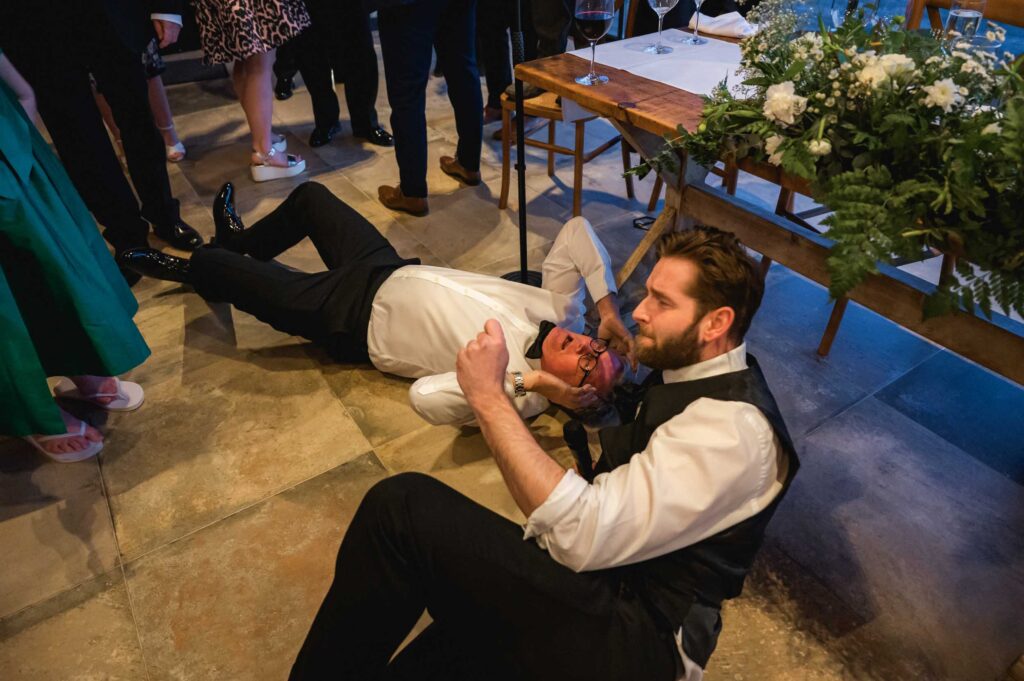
(704,470)
(422,316)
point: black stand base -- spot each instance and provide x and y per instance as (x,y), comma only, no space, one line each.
(532,278)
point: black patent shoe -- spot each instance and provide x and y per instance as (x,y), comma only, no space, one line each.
(284,88)
(228,226)
(180,235)
(378,136)
(321,137)
(150,262)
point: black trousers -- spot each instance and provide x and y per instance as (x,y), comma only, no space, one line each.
(57,63)
(502,607)
(407,34)
(339,40)
(552,21)
(495,19)
(331,308)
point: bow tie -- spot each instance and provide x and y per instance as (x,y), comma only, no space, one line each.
(535,350)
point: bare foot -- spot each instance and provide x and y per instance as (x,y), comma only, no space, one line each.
(90,385)
(71,444)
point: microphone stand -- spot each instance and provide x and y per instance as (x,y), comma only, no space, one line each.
(522,275)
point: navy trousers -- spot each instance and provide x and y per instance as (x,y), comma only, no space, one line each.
(407,34)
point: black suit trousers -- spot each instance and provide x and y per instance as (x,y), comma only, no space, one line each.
(502,608)
(339,40)
(331,308)
(407,34)
(57,62)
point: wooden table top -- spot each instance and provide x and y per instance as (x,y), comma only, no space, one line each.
(648,104)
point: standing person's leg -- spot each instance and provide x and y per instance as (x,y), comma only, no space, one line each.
(456,46)
(551,23)
(312,49)
(492,30)
(64,97)
(252,83)
(502,605)
(164,119)
(357,62)
(406,39)
(121,78)
(285,68)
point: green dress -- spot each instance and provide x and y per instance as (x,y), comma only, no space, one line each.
(65,309)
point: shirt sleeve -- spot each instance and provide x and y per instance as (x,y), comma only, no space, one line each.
(705,470)
(439,400)
(576,258)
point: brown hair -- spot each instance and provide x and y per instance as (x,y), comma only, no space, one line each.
(726,275)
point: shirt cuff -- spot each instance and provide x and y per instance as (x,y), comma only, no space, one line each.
(173,18)
(561,500)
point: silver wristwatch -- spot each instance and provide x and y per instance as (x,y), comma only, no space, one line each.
(518,384)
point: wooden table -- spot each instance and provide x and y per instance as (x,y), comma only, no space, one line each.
(645,111)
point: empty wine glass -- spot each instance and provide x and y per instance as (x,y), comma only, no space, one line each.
(695,39)
(594,18)
(964,18)
(661,8)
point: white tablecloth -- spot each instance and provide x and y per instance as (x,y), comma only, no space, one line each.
(695,68)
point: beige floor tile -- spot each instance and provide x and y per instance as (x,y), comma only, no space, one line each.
(212,127)
(235,600)
(378,402)
(460,458)
(222,428)
(54,526)
(83,634)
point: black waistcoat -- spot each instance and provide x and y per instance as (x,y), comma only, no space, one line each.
(698,577)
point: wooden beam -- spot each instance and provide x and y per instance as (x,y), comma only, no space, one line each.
(996,345)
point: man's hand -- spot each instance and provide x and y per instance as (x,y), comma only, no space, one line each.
(619,338)
(480,366)
(558,391)
(166,32)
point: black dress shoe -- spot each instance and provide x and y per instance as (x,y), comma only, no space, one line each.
(228,225)
(180,235)
(152,263)
(378,136)
(284,88)
(321,137)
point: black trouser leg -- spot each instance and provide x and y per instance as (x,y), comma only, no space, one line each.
(341,235)
(552,20)
(312,56)
(121,78)
(503,608)
(285,65)
(492,31)
(67,107)
(406,40)
(456,53)
(357,61)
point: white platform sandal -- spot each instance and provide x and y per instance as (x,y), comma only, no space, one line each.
(128,396)
(264,171)
(92,450)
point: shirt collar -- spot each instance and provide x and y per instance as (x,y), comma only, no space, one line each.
(734,360)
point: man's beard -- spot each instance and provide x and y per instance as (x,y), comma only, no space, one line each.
(672,353)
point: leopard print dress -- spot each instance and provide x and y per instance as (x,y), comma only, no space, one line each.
(230,30)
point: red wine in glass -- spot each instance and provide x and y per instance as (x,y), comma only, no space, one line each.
(593,18)
(593,25)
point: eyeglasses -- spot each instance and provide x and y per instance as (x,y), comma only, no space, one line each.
(588,361)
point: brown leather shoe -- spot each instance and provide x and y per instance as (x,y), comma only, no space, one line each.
(393,198)
(451,166)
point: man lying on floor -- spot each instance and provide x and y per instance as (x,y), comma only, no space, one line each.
(619,579)
(409,319)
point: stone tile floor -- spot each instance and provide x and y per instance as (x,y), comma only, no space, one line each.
(200,542)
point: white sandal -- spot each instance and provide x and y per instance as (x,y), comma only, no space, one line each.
(279,143)
(264,171)
(92,450)
(127,397)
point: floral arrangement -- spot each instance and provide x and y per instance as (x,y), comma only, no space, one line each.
(915,141)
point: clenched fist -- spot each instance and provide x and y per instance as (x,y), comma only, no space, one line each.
(480,366)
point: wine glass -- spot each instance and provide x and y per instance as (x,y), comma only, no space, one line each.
(695,39)
(963,19)
(661,8)
(594,18)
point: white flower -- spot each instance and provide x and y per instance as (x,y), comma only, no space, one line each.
(943,94)
(819,147)
(992,129)
(864,58)
(961,55)
(971,66)
(771,145)
(934,59)
(833,74)
(873,75)
(830,102)
(895,64)
(782,104)
(819,95)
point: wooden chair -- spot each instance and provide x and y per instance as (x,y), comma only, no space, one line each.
(547,106)
(1004,11)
